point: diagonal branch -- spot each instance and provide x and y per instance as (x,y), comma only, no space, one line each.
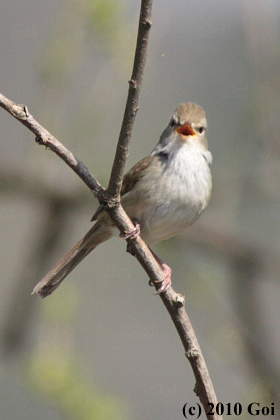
(44,137)
(110,199)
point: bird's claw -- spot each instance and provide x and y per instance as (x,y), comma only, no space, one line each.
(165,282)
(133,234)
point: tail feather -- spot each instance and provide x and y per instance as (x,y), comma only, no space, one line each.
(95,236)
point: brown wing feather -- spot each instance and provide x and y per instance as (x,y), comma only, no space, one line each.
(129,180)
(133,175)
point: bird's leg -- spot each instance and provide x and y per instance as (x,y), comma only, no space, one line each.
(134,233)
(166,281)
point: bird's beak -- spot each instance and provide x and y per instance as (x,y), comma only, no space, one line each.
(185,130)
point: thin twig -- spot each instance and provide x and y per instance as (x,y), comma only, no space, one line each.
(204,389)
(110,198)
(145,22)
(45,138)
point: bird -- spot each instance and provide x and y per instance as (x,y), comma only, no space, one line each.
(163,194)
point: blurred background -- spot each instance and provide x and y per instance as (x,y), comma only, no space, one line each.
(102,346)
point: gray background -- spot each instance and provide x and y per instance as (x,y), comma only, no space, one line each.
(104,320)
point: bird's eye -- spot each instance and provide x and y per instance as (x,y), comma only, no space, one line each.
(201,129)
(172,122)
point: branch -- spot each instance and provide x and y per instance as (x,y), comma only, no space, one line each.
(110,199)
(204,389)
(145,23)
(44,137)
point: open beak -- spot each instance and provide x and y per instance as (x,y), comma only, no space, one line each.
(185,130)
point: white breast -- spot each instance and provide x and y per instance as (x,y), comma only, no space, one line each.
(172,194)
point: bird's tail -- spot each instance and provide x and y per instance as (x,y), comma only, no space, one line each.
(95,236)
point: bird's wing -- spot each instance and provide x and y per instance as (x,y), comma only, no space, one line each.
(129,179)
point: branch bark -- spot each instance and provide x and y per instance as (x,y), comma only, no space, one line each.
(145,23)
(110,199)
(45,138)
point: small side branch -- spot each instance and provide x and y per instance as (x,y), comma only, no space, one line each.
(145,23)
(45,138)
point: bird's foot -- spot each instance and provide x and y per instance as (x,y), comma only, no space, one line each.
(166,281)
(134,233)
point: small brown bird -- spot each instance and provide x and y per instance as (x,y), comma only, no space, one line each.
(164,193)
